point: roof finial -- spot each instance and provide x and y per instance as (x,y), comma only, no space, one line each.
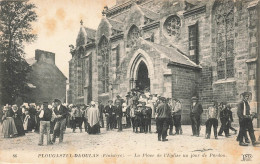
(104,10)
(81,22)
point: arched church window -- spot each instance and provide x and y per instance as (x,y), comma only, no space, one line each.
(172,25)
(133,35)
(224,24)
(104,64)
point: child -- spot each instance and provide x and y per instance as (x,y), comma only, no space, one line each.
(132,115)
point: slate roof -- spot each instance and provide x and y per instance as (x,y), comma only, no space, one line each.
(149,13)
(116,24)
(50,68)
(91,33)
(173,54)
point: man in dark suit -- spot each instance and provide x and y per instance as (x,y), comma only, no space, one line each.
(119,114)
(60,112)
(245,119)
(195,113)
(109,109)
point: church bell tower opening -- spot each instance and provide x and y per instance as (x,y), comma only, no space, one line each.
(143,80)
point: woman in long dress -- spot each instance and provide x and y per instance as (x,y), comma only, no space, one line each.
(8,127)
(18,120)
(124,108)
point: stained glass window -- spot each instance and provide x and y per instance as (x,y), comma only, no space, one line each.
(104,64)
(224,24)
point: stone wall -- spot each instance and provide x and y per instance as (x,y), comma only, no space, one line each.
(208,86)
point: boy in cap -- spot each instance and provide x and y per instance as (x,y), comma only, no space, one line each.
(138,115)
(177,110)
(224,117)
(45,118)
(119,115)
(148,118)
(133,108)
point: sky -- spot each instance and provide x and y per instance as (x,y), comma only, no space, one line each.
(59,23)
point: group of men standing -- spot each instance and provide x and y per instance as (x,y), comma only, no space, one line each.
(137,112)
(223,111)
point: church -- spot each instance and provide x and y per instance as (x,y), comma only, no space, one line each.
(176,48)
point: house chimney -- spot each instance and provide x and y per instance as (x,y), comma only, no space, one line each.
(44,56)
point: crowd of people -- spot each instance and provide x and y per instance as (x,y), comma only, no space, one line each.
(135,111)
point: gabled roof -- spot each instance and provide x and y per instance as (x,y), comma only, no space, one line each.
(149,13)
(91,33)
(51,67)
(116,24)
(173,54)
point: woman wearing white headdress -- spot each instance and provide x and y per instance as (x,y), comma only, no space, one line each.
(93,119)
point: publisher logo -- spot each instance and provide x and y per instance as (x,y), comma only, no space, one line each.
(247,157)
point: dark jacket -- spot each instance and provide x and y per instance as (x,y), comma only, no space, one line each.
(163,111)
(118,111)
(101,110)
(240,109)
(63,111)
(224,114)
(148,113)
(47,115)
(109,110)
(230,116)
(196,110)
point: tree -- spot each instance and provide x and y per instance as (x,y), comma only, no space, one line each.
(15,30)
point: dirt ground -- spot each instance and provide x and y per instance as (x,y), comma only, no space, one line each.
(126,146)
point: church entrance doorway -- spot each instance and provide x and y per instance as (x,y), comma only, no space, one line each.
(143,80)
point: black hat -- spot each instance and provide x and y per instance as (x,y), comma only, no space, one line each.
(56,100)
(163,98)
(246,93)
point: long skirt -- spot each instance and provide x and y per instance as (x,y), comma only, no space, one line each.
(94,129)
(8,128)
(19,126)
